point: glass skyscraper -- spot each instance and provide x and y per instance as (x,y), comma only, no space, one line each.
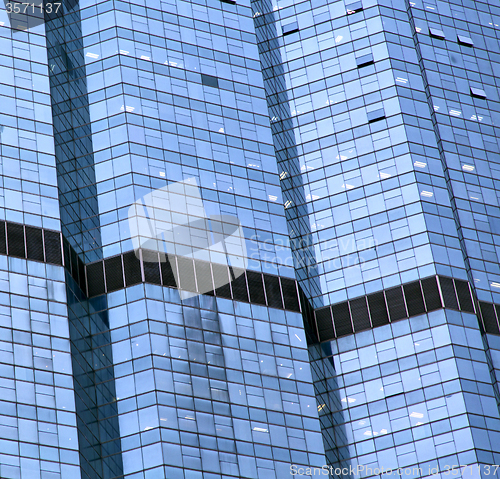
(249,239)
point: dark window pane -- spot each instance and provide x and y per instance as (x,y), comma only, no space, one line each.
(464,296)
(95,279)
(34,243)
(209,80)
(290,297)
(431,294)
(273,291)
(396,304)
(114,273)
(359,313)
(15,238)
(489,318)
(256,287)
(132,268)
(324,322)
(239,285)
(221,280)
(342,319)
(167,266)
(414,299)
(52,247)
(448,290)
(152,272)
(378,309)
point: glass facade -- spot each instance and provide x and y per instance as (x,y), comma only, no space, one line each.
(342,159)
(383,115)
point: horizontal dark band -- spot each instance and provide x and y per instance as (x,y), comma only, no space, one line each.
(194,276)
(118,272)
(402,302)
(125,270)
(30,242)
